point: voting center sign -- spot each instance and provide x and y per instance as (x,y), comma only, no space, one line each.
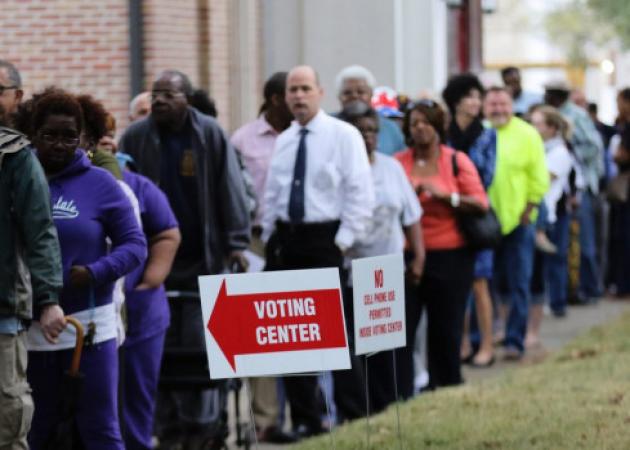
(379,303)
(273,323)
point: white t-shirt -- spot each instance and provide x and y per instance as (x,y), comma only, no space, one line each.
(396,206)
(559,163)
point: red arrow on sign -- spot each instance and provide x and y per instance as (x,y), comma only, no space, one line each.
(276,322)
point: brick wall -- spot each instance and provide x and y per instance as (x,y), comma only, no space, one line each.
(219,61)
(171,38)
(83,46)
(78,45)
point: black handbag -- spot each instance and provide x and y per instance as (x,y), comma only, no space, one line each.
(482,231)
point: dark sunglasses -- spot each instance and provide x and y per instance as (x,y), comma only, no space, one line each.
(169,95)
(422,102)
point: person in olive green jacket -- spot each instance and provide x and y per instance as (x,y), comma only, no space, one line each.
(30,264)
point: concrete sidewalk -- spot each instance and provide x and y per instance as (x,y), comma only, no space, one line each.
(555,333)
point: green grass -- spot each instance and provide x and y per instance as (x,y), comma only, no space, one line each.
(578,398)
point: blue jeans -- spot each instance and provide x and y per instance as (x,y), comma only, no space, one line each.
(512,276)
(541,222)
(556,265)
(589,278)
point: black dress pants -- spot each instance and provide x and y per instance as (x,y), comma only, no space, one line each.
(380,380)
(304,246)
(444,291)
(350,384)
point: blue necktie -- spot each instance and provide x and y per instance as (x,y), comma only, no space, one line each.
(296,199)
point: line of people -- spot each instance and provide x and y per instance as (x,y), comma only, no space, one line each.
(100,224)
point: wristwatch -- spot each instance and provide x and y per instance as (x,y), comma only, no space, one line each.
(455,198)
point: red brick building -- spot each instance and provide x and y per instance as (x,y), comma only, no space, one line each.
(113,48)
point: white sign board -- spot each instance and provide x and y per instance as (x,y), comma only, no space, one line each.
(273,323)
(379,303)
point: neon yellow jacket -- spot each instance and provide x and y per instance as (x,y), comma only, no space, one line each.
(521,174)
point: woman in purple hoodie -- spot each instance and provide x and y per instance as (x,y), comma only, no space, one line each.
(88,208)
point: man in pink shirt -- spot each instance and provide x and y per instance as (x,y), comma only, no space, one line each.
(254,142)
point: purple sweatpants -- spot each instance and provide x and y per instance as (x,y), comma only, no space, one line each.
(141,371)
(97,413)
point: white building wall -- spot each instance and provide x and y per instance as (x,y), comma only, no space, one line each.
(403,42)
(515,35)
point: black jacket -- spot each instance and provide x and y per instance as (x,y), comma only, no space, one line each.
(223,203)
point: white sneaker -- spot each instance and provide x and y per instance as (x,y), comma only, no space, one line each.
(421,381)
(544,244)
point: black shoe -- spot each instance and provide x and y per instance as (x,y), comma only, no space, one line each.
(578,300)
(490,363)
(511,353)
(275,435)
(593,300)
(560,313)
(303,431)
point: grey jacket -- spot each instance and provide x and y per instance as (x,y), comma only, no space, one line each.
(30,258)
(587,144)
(223,203)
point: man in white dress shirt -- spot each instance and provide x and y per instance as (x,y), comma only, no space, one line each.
(318,199)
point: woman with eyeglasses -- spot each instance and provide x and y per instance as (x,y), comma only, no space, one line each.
(448,271)
(88,207)
(463,95)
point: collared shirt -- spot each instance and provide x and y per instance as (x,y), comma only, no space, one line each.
(587,144)
(396,206)
(524,101)
(255,141)
(521,175)
(338,184)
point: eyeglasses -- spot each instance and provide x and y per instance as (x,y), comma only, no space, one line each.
(7,88)
(356,91)
(169,95)
(66,141)
(367,130)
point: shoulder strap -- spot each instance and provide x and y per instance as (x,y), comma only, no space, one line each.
(454,162)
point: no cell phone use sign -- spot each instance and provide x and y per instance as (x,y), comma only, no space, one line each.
(273,323)
(379,303)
